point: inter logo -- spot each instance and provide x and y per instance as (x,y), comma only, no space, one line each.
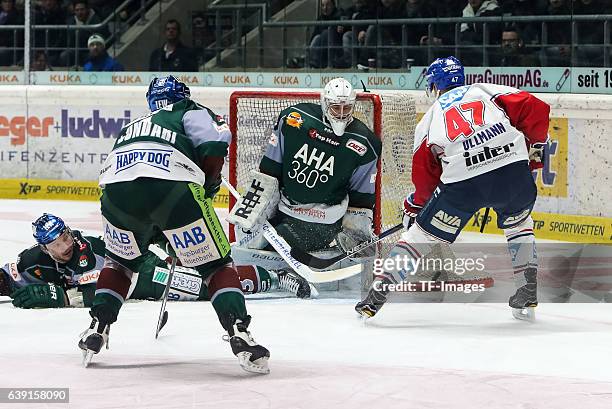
(486,154)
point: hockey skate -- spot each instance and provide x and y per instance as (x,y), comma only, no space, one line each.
(373,302)
(524,301)
(92,340)
(295,284)
(251,356)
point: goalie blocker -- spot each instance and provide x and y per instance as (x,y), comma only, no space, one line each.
(257,204)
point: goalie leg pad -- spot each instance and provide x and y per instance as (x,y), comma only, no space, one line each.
(258,203)
(251,239)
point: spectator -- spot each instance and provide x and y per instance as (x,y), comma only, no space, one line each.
(557,51)
(444,34)
(49,12)
(387,54)
(590,51)
(39,62)
(10,16)
(530,31)
(472,33)
(173,55)
(418,34)
(353,37)
(104,8)
(513,52)
(324,36)
(77,43)
(99,60)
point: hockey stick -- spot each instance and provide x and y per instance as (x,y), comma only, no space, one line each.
(163,314)
(320,263)
(284,250)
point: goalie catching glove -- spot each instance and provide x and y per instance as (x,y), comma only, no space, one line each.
(257,204)
(356,228)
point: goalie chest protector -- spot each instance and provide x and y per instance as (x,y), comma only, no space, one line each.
(317,165)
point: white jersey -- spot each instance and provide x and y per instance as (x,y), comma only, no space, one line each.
(472,130)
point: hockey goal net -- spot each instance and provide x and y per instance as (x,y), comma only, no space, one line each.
(392,117)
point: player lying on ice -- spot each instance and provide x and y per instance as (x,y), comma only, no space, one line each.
(316,180)
(157,184)
(63,268)
(475,147)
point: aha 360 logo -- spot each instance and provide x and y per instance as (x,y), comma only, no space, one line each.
(17,128)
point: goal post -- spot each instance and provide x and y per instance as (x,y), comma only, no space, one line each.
(391,116)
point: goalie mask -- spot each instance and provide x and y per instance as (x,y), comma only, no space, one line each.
(337,102)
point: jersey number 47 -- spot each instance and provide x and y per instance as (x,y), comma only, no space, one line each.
(460,119)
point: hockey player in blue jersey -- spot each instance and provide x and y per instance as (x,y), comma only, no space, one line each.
(475,147)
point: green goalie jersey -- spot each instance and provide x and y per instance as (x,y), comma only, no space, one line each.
(320,173)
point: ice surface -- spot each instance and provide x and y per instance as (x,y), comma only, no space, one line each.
(409,356)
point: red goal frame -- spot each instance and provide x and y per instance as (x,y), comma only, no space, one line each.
(233,124)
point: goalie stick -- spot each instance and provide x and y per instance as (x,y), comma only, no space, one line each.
(284,250)
(163,314)
(321,263)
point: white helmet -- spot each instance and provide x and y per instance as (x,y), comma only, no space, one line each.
(337,102)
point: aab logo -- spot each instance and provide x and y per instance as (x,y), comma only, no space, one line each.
(446,223)
(189,238)
(25,188)
(117,237)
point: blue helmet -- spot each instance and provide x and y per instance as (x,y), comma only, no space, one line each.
(165,91)
(47,228)
(445,73)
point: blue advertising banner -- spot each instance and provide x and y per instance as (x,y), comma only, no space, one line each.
(533,79)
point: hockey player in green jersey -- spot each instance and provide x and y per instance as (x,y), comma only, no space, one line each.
(62,269)
(316,182)
(158,183)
